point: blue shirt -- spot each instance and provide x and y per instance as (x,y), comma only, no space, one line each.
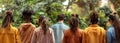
(111,38)
(59,29)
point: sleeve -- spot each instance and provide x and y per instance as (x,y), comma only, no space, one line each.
(34,37)
(84,37)
(64,38)
(81,36)
(18,39)
(65,28)
(53,27)
(52,37)
(109,37)
(104,36)
(19,29)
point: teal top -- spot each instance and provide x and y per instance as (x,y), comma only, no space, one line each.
(111,38)
(59,29)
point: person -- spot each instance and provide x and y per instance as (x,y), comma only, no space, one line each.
(8,33)
(74,33)
(26,29)
(59,28)
(111,32)
(43,34)
(94,33)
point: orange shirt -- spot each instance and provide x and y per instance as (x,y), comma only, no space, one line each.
(94,34)
(70,37)
(9,35)
(26,31)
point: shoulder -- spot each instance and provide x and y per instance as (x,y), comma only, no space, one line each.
(54,25)
(51,30)
(37,29)
(14,29)
(80,30)
(22,24)
(102,28)
(33,26)
(67,31)
(65,25)
(110,29)
(86,29)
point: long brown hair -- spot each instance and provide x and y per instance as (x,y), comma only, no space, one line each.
(73,23)
(116,25)
(45,25)
(8,19)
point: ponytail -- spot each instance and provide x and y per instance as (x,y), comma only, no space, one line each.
(45,25)
(8,19)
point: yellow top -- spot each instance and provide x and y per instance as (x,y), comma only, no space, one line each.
(9,35)
(94,34)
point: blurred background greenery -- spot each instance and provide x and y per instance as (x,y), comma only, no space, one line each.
(51,8)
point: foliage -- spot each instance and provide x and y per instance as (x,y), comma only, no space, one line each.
(118,11)
(116,3)
(51,8)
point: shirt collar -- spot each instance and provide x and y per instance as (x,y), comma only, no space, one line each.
(94,25)
(60,22)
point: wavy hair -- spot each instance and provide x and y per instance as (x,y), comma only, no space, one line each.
(45,25)
(116,25)
(74,23)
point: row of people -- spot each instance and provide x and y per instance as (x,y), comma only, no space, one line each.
(59,32)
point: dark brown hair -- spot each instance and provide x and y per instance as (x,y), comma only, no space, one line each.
(60,17)
(116,25)
(26,14)
(74,24)
(94,17)
(41,18)
(8,19)
(45,25)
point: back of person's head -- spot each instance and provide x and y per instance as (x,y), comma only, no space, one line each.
(94,17)
(111,18)
(27,14)
(60,17)
(45,25)
(41,18)
(8,19)
(74,24)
